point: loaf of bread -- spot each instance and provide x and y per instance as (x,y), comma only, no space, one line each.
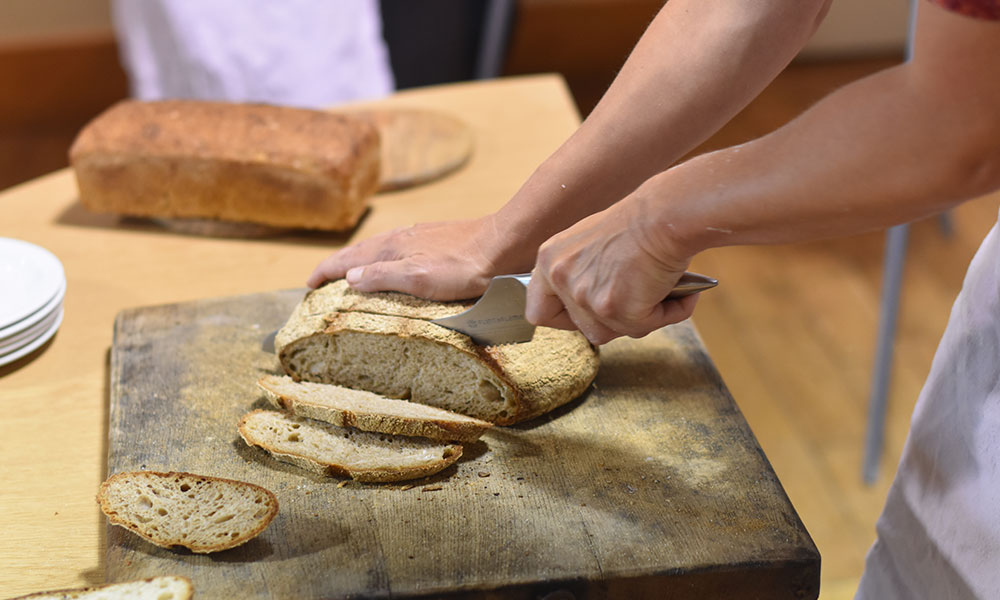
(250,163)
(385,343)
(204,514)
(166,587)
(330,450)
(367,411)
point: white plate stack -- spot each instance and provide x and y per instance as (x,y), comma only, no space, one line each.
(32,287)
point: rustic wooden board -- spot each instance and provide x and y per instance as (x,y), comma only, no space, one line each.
(651,485)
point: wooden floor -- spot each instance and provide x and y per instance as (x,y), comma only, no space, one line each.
(791,329)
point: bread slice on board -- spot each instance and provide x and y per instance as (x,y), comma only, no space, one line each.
(166,587)
(330,450)
(204,514)
(385,343)
(367,411)
(251,163)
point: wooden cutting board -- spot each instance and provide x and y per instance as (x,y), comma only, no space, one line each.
(650,485)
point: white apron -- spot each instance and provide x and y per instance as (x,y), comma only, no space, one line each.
(309,53)
(939,533)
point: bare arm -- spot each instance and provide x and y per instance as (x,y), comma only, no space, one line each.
(697,65)
(899,145)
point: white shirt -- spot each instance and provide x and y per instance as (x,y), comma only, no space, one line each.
(308,53)
(939,533)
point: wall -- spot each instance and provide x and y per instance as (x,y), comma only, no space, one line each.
(852,27)
(856,28)
(36,20)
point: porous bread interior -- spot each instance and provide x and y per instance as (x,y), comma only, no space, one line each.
(200,513)
(368,411)
(346,448)
(336,396)
(420,370)
(165,587)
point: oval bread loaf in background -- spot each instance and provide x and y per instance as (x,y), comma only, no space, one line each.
(204,514)
(249,163)
(385,343)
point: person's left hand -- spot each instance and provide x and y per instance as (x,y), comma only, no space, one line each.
(607,277)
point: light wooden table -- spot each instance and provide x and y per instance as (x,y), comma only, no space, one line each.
(54,403)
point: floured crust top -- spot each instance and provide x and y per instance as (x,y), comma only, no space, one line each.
(308,140)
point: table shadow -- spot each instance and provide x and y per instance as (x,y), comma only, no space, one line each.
(75,215)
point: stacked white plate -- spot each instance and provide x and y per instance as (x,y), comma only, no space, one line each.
(32,287)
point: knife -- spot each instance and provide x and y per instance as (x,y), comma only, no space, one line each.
(498,316)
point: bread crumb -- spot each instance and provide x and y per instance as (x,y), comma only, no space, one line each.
(342,484)
(408,486)
(431,488)
(484,474)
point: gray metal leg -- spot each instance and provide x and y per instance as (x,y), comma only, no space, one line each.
(493,41)
(892,278)
(946,223)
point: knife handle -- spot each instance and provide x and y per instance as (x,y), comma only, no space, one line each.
(689,283)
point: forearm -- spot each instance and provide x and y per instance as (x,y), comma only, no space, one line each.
(886,150)
(696,66)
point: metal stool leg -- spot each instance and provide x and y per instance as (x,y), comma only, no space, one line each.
(946,224)
(493,44)
(892,278)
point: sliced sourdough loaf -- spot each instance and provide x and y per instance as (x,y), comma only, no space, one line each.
(166,587)
(204,514)
(368,411)
(385,343)
(330,450)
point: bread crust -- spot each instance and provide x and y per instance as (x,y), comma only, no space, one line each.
(275,166)
(532,378)
(107,507)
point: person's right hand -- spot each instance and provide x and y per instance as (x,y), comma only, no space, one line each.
(439,261)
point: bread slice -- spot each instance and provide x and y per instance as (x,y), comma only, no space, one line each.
(250,163)
(367,411)
(166,587)
(330,450)
(204,514)
(385,343)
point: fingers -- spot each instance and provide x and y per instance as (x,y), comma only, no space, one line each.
(339,263)
(327,270)
(397,275)
(599,325)
(440,261)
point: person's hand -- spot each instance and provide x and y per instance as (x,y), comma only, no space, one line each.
(608,277)
(439,261)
